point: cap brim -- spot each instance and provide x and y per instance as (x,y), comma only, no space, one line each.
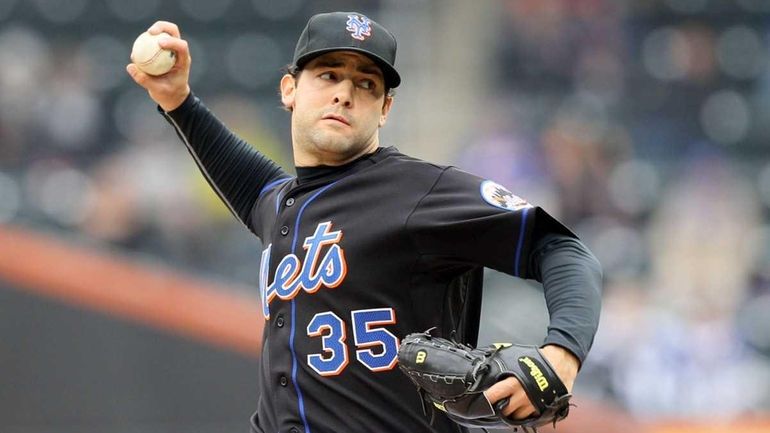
(389,73)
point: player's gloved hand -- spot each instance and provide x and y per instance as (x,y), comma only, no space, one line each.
(564,363)
(453,377)
(170,89)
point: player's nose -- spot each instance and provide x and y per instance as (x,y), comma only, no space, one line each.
(343,93)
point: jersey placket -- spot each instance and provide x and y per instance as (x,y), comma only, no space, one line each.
(281,325)
(291,204)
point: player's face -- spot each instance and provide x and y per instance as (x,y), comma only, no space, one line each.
(338,104)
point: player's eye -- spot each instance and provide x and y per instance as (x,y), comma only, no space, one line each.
(367,84)
(327,76)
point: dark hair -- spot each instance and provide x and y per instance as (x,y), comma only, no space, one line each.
(291,70)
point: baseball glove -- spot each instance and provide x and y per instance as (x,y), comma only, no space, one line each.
(452,377)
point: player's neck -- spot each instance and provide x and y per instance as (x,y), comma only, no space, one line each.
(310,174)
(329,158)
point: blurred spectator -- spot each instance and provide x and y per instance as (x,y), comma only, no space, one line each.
(671,346)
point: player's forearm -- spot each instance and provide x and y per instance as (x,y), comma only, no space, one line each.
(572,281)
(236,171)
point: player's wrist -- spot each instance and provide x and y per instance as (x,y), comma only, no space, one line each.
(564,362)
(176,100)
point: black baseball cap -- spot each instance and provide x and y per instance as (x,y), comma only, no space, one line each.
(349,31)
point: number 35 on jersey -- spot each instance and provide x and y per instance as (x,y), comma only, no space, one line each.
(376,347)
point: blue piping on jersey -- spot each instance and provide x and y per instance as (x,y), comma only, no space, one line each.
(272,184)
(294,314)
(521,242)
(302,209)
(294,370)
(278,199)
(267,188)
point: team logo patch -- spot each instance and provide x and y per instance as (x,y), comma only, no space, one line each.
(498,196)
(359,27)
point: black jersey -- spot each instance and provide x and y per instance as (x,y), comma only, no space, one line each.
(353,259)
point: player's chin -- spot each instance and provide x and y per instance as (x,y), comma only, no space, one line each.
(331,141)
(341,138)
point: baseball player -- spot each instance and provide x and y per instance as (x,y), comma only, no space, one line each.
(365,244)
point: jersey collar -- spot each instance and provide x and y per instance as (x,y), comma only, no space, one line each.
(307,175)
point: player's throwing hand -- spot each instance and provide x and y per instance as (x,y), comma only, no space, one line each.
(168,90)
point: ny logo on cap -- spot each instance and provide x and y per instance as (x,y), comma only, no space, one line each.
(359,27)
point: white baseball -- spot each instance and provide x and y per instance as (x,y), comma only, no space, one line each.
(149,57)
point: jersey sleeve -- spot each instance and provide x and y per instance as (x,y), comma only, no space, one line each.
(572,284)
(470,220)
(466,219)
(235,170)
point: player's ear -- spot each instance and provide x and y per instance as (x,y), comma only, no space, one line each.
(385,110)
(288,90)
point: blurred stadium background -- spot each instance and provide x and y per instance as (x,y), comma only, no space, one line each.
(127,292)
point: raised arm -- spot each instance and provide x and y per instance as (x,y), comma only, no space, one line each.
(235,170)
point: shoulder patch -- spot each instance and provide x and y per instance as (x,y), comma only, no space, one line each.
(499,196)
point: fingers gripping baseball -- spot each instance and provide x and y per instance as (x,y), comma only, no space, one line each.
(170,89)
(165,27)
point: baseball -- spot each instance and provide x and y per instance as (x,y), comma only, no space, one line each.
(149,57)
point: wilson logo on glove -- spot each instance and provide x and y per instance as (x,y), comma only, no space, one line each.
(452,377)
(535,372)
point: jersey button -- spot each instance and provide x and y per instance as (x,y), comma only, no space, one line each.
(284,230)
(283,381)
(279,321)
(290,201)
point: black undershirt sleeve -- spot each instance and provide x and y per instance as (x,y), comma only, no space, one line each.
(572,281)
(235,170)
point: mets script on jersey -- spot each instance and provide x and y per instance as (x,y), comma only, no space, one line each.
(292,275)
